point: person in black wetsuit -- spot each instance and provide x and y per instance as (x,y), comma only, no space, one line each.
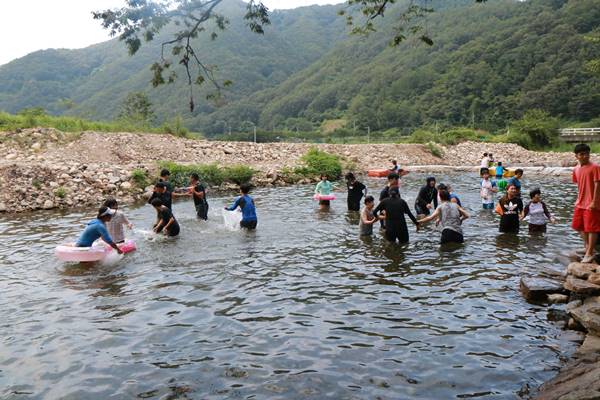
(427,195)
(198,192)
(393,182)
(356,190)
(395,222)
(165,221)
(162,193)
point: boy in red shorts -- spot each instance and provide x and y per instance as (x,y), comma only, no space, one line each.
(586,218)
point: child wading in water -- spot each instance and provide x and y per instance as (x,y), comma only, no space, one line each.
(198,192)
(586,217)
(324,188)
(510,208)
(451,216)
(427,195)
(118,220)
(356,190)
(246,204)
(538,212)
(488,188)
(395,222)
(367,218)
(165,221)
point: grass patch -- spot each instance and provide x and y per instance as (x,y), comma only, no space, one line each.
(32,118)
(210,174)
(140,177)
(60,192)
(435,150)
(317,162)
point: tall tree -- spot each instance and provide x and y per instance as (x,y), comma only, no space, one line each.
(137,108)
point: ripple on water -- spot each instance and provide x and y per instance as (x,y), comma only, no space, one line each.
(301,308)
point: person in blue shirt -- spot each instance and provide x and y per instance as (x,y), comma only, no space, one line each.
(96,229)
(246,204)
(499,170)
(516,181)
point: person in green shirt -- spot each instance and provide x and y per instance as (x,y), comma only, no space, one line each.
(324,188)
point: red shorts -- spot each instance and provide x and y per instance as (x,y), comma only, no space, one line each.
(587,221)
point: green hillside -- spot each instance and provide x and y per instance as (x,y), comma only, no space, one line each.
(489,64)
(98,78)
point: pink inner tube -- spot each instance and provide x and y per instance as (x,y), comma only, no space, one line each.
(319,197)
(70,253)
(126,247)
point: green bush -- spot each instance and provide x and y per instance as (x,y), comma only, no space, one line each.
(435,150)
(421,136)
(459,135)
(210,174)
(60,192)
(238,174)
(317,162)
(540,129)
(140,177)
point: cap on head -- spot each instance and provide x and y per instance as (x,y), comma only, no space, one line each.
(105,212)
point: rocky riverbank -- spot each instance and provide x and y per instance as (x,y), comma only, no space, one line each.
(573,294)
(44,168)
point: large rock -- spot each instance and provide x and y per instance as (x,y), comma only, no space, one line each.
(588,315)
(48,204)
(581,287)
(594,278)
(538,289)
(580,270)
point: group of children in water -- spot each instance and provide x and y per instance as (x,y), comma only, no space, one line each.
(109,223)
(433,203)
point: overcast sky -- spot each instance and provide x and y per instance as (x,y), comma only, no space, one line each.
(30,25)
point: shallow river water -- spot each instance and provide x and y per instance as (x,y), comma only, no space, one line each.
(302,308)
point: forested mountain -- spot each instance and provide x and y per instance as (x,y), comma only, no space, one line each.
(96,79)
(489,63)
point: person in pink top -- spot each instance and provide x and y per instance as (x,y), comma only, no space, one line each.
(586,217)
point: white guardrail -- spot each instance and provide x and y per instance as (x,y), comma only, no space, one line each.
(580,134)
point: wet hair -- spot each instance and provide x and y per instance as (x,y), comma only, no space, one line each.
(485,171)
(582,148)
(165,172)
(393,176)
(518,171)
(430,179)
(110,203)
(195,176)
(369,199)
(156,203)
(442,186)
(394,192)
(350,176)
(444,195)
(245,188)
(499,163)
(102,211)
(161,185)
(534,192)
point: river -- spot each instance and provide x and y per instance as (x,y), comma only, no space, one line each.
(301,308)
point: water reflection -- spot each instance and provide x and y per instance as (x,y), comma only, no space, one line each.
(301,307)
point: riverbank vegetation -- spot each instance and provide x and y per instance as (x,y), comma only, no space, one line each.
(210,174)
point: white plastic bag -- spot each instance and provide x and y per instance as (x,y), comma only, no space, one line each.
(232,219)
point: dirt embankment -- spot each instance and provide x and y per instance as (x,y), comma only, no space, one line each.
(44,168)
